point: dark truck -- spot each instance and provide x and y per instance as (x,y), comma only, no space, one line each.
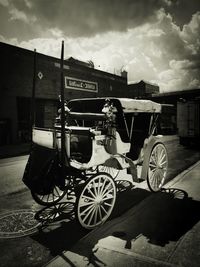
(188,121)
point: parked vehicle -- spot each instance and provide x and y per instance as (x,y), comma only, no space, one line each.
(188,121)
(102,137)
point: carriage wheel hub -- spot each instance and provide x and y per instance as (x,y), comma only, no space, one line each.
(98,200)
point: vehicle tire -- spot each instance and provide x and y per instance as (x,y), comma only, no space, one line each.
(157,169)
(96,201)
(112,171)
(53,197)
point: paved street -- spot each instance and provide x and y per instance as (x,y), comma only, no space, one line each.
(147,227)
(12,170)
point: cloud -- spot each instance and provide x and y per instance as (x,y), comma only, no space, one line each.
(147,42)
(4,2)
(184,64)
(179,79)
(20,15)
(90,17)
(191,34)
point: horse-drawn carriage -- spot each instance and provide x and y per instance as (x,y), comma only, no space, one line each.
(102,136)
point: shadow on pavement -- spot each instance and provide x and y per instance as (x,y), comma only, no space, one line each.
(60,230)
(171,214)
(166,216)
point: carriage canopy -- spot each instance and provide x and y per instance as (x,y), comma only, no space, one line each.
(128,105)
(135,105)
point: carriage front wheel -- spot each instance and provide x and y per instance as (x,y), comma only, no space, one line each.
(96,200)
(157,169)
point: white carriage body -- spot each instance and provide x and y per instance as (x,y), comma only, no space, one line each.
(88,147)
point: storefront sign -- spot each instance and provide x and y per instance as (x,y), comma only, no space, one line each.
(78,84)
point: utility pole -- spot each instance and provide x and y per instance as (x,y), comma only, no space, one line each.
(62,98)
(32,111)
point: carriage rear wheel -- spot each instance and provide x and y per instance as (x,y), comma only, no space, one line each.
(54,196)
(157,169)
(96,200)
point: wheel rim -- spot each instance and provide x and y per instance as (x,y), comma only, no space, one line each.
(96,201)
(54,196)
(112,171)
(158,164)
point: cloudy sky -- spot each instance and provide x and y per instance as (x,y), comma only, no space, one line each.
(154,40)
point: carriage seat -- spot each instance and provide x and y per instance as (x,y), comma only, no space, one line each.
(116,145)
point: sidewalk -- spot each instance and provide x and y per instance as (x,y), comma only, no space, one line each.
(161,230)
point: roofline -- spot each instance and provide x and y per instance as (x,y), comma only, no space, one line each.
(181,92)
(66,62)
(143,81)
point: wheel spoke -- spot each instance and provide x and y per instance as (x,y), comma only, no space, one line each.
(161,159)
(85,204)
(152,174)
(91,192)
(107,193)
(89,214)
(95,190)
(105,211)
(107,204)
(88,209)
(89,198)
(162,155)
(107,198)
(95,215)
(107,186)
(41,197)
(48,197)
(163,163)
(162,174)
(152,165)
(102,187)
(56,189)
(100,214)
(99,187)
(155,181)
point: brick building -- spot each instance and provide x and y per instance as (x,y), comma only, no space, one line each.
(16,82)
(142,89)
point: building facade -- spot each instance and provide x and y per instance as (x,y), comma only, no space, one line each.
(142,89)
(81,79)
